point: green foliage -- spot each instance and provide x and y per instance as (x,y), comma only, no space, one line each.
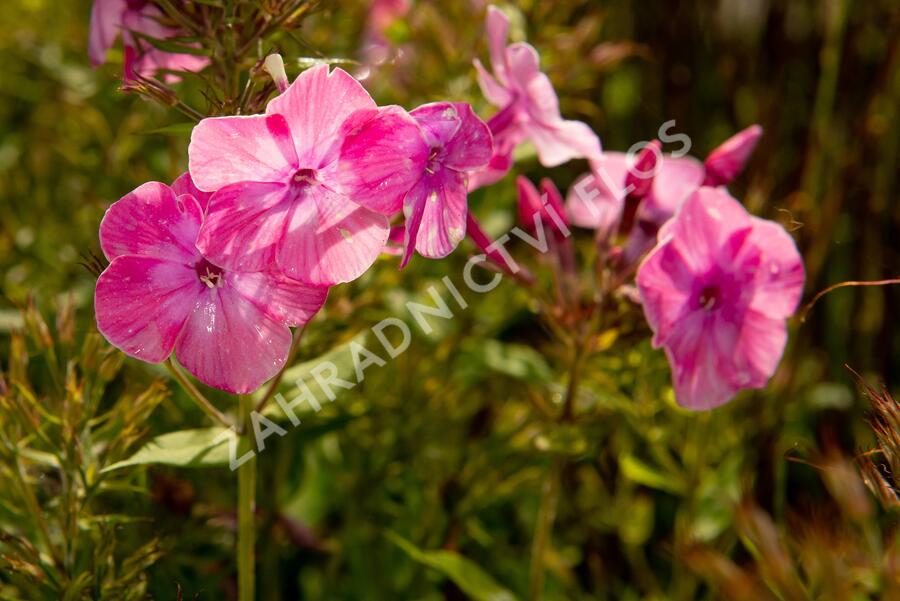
(450,445)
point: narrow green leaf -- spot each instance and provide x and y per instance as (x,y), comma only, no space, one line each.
(180,129)
(470,578)
(203,447)
(637,471)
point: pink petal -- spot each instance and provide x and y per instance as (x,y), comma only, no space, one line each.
(152,222)
(285,300)
(705,227)
(230,344)
(442,200)
(471,147)
(440,121)
(780,277)
(676,179)
(525,74)
(562,141)
(382,157)
(727,160)
(665,283)
(529,205)
(227,150)
(329,239)
(106,21)
(759,349)
(494,91)
(497,34)
(316,106)
(596,199)
(183,184)
(142,302)
(244,225)
(698,357)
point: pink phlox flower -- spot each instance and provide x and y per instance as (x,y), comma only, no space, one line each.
(453,143)
(109,18)
(279,195)
(717,291)
(529,107)
(160,294)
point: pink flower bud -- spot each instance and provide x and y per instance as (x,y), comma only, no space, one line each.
(727,160)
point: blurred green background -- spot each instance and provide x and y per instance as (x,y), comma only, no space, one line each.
(442,448)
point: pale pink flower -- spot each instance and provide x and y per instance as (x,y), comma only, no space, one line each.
(529,107)
(110,18)
(278,196)
(228,328)
(717,291)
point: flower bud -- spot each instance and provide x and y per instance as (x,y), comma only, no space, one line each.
(274,64)
(727,160)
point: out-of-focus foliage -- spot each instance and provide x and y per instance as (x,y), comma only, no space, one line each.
(427,480)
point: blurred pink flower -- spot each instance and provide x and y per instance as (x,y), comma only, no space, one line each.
(382,15)
(529,107)
(598,200)
(717,292)
(109,18)
(228,328)
(278,191)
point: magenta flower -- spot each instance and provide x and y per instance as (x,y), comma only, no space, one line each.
(183,184)
(109,18)
(717,291)
(529,107)
(453,142)
(278,196)
(228,328)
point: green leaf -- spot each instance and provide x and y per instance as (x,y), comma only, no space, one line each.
(471,579)
(180,129)
(342,359)
(203,447)
(637,471)
(514,360)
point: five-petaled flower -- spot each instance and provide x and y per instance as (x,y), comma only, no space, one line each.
(454,142)
(529,107)
(278,196)
(132,18)
(717,292)
(227,327)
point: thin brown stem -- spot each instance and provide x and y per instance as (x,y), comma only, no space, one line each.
(204,403)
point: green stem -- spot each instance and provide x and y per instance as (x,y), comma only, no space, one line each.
(246,560)
(543,529)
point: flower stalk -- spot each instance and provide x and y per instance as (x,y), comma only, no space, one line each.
(246,536)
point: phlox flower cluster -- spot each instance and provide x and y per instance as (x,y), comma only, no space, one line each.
(277,207)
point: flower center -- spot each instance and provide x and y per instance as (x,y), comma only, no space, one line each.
(304,178)
(209,274)
(433,163)
(709,297)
